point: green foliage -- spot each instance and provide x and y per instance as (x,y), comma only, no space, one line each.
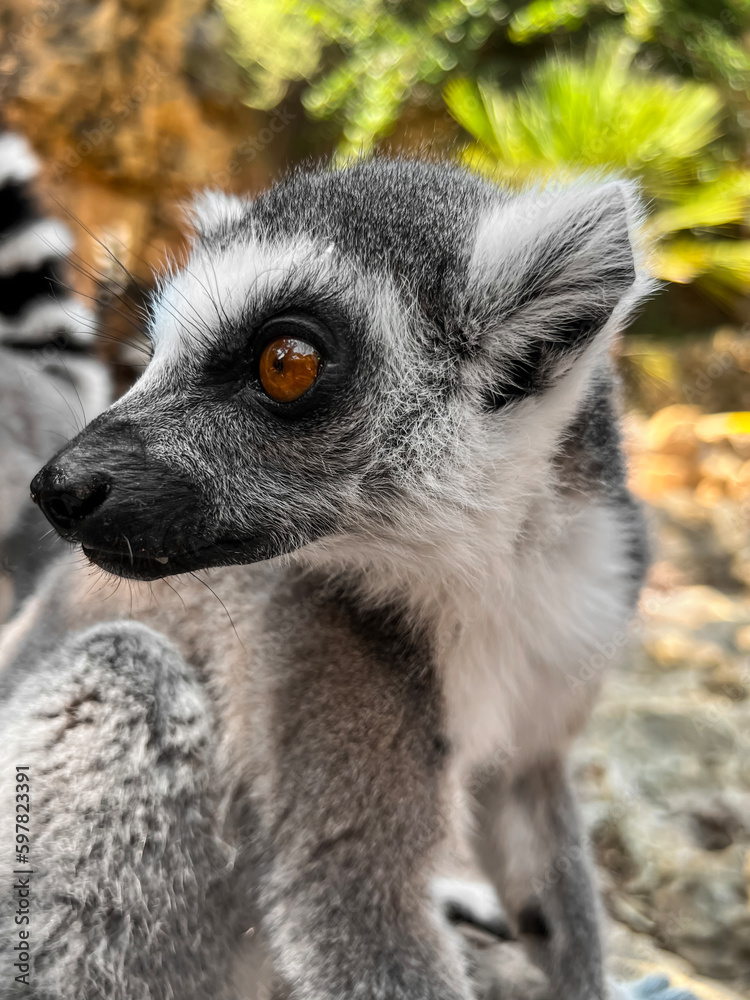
(360,63)
(666,98)
(588,113)
(602,113)
(695,37)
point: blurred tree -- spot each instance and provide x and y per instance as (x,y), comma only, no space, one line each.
(360,63)
(602,112)
(696,39)
(664,97)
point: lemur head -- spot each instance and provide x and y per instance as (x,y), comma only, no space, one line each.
(355,354)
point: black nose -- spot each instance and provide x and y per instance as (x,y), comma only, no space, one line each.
(67,499)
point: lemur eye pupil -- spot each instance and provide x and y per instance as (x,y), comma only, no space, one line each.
(288,368)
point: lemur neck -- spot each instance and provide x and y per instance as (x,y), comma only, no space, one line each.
(431,578)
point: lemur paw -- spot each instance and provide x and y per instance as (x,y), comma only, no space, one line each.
(473,903)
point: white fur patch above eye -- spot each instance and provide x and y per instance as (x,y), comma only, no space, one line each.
(221,283)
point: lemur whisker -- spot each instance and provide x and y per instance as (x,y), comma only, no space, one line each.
(170,261)
(130,549)
(106,281)
(174,591)
(219,305)
(226,610)
(134,280)
(76,419)
(99,302)
(198,323)
(87,229)
(75,388)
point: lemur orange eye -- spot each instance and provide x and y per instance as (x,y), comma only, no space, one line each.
(288,368)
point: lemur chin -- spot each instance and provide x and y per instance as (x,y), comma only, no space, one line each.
(381,407)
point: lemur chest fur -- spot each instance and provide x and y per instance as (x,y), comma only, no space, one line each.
(524,661)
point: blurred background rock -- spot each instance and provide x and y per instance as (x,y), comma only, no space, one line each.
(130,105)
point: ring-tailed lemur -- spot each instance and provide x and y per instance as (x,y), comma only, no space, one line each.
(47,383)
(381,407)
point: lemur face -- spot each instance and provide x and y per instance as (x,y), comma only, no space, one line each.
(340,358)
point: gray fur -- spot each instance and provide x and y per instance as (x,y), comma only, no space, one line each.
(132,884)
(48,389)
(45,397)
(399,617)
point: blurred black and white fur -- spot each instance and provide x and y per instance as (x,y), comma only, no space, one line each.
(420,564)
(47,380)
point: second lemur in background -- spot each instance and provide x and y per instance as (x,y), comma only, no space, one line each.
(49,385)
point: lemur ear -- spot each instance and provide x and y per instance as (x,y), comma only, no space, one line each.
(209,212)
(549,271)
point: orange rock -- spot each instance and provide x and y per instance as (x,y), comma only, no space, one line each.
(722,426)
(742,639)
(653,475)
(720,466)
(708,493)
(671,431)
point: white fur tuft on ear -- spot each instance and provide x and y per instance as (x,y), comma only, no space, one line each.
(551,269)
(209,212)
